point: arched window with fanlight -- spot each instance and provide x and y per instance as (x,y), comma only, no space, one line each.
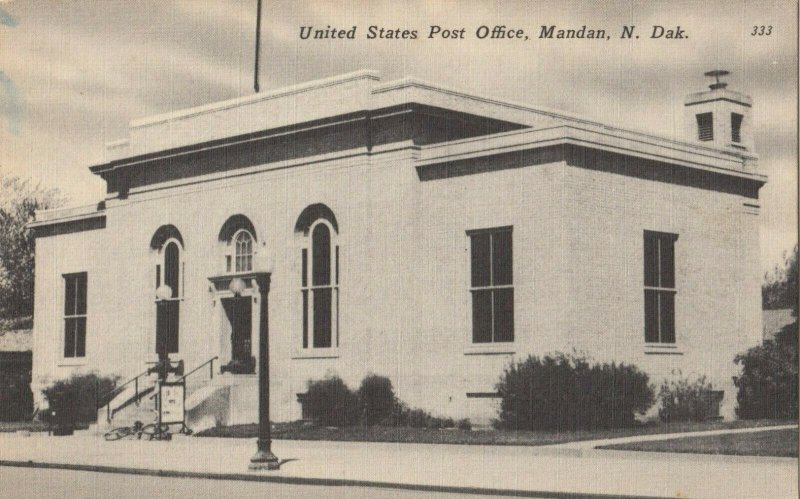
(319,279)
(241,257)
(168,287)
(238,235)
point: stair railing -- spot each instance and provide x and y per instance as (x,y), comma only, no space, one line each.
(209,363)
(113,393)
(109,396)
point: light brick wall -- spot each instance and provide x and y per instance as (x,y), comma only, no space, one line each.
(56,256)
(578,275)
(404,267)
(718,293)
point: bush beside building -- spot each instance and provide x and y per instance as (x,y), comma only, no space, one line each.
(566,393)
(768,384)
(331,403)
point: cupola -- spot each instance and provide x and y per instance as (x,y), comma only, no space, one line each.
(720,116)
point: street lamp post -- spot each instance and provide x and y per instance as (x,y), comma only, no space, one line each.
(164,366)
(263,459)
(162,369)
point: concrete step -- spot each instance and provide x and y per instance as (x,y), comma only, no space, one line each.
(207,404)
(207,407)
(145,412)
(199,396)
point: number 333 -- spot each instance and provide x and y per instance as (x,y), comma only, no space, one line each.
(761,30)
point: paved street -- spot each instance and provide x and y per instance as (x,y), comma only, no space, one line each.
(30,483)
(544,471)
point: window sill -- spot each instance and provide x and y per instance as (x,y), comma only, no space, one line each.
(72,362)
(316,353)
(662,349)
(490,349)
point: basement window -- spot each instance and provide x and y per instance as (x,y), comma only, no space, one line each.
(705,127)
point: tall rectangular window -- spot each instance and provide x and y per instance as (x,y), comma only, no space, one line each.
(75,315)
(659,287)
(491,285)
(170,274)
(320,288)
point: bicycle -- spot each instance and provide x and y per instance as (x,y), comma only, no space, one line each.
(162,432)
(138,429)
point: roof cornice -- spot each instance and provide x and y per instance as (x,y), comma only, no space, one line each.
(653,148)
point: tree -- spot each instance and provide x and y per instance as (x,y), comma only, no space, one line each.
(768,385)
(780,286)
(19,200)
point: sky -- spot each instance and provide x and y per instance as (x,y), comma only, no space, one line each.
(74,73)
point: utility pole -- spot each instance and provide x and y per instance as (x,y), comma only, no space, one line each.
(258,44)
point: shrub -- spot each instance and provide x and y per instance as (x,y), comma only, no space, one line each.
(563,392)
(436,423)
(76,399)
(376,398)
(331,402)
(417,418)
(16,398)
(685,400)
(464,424)
(398,416)
(768,385)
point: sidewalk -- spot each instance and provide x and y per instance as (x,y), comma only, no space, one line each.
(547,471)
(592,444)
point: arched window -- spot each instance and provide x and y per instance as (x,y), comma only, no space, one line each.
(242,244)
(320,286)
(239,237)
(169,287)
(172,266)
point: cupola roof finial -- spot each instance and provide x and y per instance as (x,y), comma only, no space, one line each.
(716,73)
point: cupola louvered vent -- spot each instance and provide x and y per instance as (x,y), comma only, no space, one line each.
(705,127)
(736,127)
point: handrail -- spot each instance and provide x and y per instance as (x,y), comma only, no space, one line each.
(123,385)
(211,368)
(113,393)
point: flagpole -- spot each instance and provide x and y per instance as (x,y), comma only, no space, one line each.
(258,44)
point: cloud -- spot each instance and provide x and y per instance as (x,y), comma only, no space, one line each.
(11,106)
(6,19)
(82,69)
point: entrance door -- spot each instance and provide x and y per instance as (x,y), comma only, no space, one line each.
(239,314)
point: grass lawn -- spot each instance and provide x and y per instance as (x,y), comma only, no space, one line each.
(779,443)
(301,431)
(12,426)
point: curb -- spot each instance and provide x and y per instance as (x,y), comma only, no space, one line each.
(330,482)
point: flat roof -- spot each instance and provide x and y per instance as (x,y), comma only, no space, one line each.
(337,96)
